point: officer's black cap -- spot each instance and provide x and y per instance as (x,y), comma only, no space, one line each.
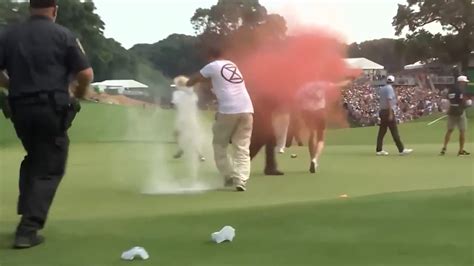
(42,3)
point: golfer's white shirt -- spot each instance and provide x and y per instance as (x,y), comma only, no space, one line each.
(229,87)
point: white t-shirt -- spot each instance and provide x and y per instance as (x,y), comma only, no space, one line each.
(185,101)
(311,97)
(184,96)
(229,87)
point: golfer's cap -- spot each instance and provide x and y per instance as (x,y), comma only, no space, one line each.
(391,79)
(463,79)
(42,3)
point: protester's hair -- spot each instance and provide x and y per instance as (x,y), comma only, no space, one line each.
(42,3)
(214,52)
(180,81)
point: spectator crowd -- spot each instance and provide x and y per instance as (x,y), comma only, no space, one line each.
(361,103)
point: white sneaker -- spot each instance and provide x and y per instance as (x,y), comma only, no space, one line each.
(406,152)
(382,153)
(281,151)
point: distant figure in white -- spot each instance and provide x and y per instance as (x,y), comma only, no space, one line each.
(187,129)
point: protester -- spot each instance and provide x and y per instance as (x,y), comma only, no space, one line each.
(234,119)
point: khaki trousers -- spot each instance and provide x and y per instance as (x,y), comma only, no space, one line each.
(235,128)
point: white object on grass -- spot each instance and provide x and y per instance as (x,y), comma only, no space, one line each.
(136,252)
(437,120)
(226,234)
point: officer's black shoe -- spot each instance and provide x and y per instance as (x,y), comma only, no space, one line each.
(273,172)
(24,242)
(463,153)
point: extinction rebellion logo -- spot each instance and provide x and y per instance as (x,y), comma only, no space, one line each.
(230,73)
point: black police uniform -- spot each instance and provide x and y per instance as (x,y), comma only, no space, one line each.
(263,133)
(41,58)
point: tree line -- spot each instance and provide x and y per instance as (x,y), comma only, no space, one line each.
(244,24)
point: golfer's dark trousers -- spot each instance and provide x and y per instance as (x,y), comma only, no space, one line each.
(263,135)
(42,129)
(385,124)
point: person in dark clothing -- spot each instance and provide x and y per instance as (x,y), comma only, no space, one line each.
(457,115)
(41,60)
(263,134)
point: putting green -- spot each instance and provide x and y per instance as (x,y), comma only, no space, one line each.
(415,210)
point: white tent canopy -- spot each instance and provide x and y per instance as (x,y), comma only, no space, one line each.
(128,83)
(363,63)
(416,65)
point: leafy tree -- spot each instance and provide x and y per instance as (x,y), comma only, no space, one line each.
(108,58)
(228,15)
(176,55)
(387,52)
(455,16)
(240,25)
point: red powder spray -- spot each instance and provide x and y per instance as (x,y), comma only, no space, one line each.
(277,69)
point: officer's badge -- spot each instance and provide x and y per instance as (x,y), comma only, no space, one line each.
(79,44)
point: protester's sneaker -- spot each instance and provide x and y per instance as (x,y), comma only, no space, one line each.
(464,153)
(443,152)
(313,167)
(240,188)
(406,152)
(24,242)
(382,153)
(273,172)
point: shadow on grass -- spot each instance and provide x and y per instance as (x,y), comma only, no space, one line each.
(6,241)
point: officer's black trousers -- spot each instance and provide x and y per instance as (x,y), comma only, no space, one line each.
(385,124)
(43,134)
(263,135)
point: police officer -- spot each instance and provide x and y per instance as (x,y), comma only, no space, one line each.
(41,60)
(457,115)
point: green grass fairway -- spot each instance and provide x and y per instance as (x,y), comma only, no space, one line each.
(416,210)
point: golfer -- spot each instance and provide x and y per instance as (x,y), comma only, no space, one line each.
(457,115)
(234,119)
(388,104)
